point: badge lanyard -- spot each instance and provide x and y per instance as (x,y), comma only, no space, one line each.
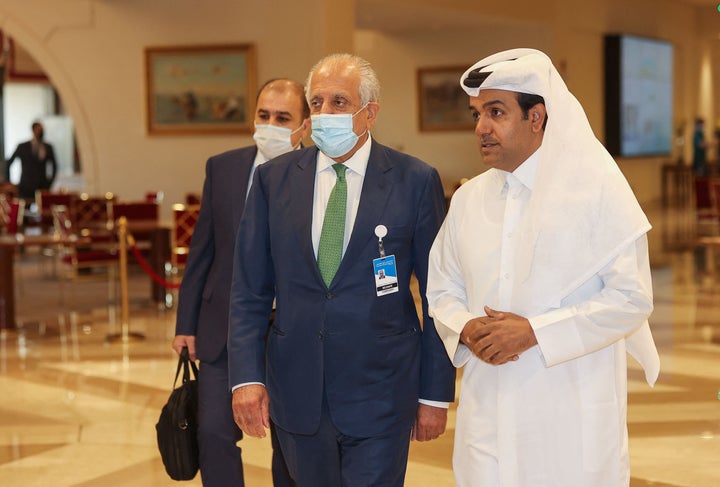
(384,268)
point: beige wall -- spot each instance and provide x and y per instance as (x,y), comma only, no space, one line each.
(93,52)
(573,37)
(396,59)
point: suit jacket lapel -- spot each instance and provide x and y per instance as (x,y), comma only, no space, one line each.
(242,175)
(302,188)
(373,199)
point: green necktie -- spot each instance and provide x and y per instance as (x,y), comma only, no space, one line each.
(333,229)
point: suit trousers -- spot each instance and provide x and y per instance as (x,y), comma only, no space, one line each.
(220,457)
(330,459)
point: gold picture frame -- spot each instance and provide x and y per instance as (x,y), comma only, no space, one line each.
(442,104)
(200,89)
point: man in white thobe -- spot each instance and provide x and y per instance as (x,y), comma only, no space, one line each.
(539,283)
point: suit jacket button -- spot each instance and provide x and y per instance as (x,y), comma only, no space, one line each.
(329,295)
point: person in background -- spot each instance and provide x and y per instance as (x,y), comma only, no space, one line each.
(37,162)
(349,375)
(699,163)
(539,283)
(281,122)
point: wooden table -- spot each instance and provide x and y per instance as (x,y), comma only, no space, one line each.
(157,234)
(8,244)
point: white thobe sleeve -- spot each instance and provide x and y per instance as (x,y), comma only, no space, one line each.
(446,293)
(622,305)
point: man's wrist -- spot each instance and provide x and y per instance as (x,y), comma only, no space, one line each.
(463,339)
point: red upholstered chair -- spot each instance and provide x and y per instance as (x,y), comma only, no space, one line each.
(8,189)
(154,196)
(92,217)
(4,211)
(184,219)
(79,257)
(142,217)
(136,210)
(11,220)
(193,198)
(11,214)
(703,198)
(183,225)
(17,210)
(45,200)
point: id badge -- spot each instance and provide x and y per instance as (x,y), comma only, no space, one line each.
(386,281)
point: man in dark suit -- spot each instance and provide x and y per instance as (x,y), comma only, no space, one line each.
(38,164)
(281,122)
(346,374)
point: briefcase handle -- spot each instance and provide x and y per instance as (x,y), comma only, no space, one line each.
(185,364)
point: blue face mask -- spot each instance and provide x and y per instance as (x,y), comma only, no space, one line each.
(333,133)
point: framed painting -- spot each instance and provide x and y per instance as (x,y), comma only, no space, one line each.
(442,104)
(200,89)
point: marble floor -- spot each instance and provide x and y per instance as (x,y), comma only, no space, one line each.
(79,405)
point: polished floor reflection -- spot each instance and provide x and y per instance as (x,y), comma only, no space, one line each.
(79,405)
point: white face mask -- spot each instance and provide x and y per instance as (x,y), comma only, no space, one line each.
(273,141)
(333,133)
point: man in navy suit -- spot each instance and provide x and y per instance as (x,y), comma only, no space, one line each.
(37,161)
(281,122)
(346,373)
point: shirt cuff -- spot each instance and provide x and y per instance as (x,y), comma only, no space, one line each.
(246,384)
(436,404)
(554,341)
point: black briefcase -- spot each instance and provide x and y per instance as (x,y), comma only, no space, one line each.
(177,426)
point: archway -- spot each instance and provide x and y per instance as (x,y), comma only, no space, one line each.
(22,34)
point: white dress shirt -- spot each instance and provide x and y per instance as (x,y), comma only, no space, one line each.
(325,178)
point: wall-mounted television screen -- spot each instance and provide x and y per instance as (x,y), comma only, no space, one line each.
(638,96)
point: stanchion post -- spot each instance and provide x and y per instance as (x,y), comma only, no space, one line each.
(125,334)
(124,300)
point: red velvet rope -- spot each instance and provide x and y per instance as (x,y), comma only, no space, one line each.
(149,270)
